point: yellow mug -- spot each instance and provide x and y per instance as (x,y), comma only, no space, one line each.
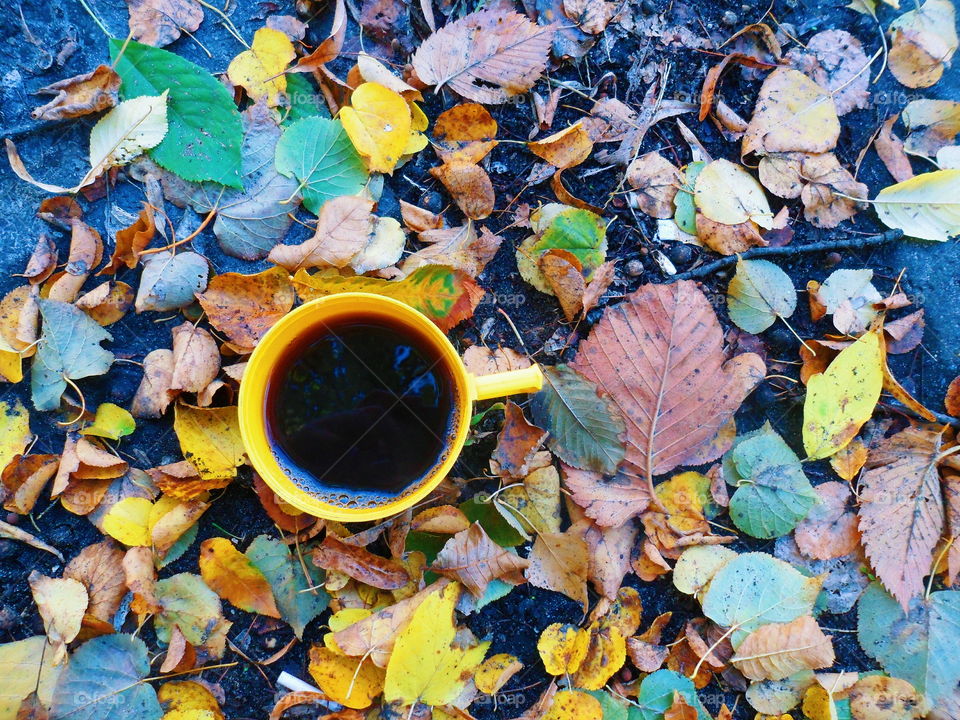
(336,504)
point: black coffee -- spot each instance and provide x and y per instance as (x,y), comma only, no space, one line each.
(360,405)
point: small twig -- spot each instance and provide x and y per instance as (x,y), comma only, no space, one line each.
(847,243)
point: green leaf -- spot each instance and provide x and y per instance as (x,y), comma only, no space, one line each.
(204,135)
(188,603)
(297,605)
(614,708)
(920,647)
(656,696)
(773,494)
(580,232)
(318,153)
(69,348)
(685,215)
(304,100)
(492,522)
(584,428)
(754,589)
(758,294)
(169,281)
(105,679)
(112,422)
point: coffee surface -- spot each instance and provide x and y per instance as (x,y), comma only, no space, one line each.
(360,405)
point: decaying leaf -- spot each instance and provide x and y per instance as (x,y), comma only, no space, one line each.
(210,439)
(656,182)
(342,229)
(560,562)
(160,22)
(80,95)
(922,42)
(776,651)
(474,559)
(244,307)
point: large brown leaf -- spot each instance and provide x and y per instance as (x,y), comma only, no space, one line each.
(487,56)
(777,650)
(901,510)
(360,564)
(474,559)
(660,358)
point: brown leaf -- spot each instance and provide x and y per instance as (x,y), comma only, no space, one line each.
(951,400)
(728,239)
(465,133)
(330,48)
(79,95)
(474,559)
(86,251)
(535,505)
(160,22)
(826,196)
(877,697)
(141,577)
(342,229)
(244,307)
(655,181)
(566,148)
(286,517)
(680,709)
(24,479)
(560,562)
(517,444)
(107,303)
(181,480)
(646,656)
(609,552)
(901,510)
(457,247)
(951,497)
(418,219)
(834,59)
(360,564)
(442,519)
(602,278)
(904,334)
(469,186)
(777,650)
(481,360)
(609,501)
(153,395)
(564,274)
(487,56)
(890,149)
(848,461)
(131,241)
(829,530)
(42,260)
(591,16)
(196,359)
(659,356)
(100,568)
(546,108)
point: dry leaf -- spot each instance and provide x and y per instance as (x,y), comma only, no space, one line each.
(560,562)
(62,603)
(922,42)
(180,480)
(834,59)
(566,148)
(890,149)
(80,95)
(656,182)
(830,529)
(342,229)
(160,22)
(474,559)
(107,303)
(465,133)
(131,241)
(457,247)
(610,550)
(778,650)
(481,360)
(100,568)
(154,394)
(24,478)
(517,444)
(470,187)
(379,123)
(230,574)
(259,70)
(360,564)
(244,307)
(591,16)
(196,359)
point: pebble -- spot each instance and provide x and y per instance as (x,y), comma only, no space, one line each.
(680,254)
(832,259)
(634,268)
(729,19)
(13,518)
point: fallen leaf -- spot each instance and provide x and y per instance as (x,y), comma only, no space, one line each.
(850,297)
(933,125)
(131,241)
(848,462)
(495,672)
(360,564)
(244,307)
(24,478)
(759,293)
(86,251)
(15,432)
(465,133)
(536,503)
(726,193)
(430,633)
(378,123)
(901,510)
(69,348)
(488,56)
(831,192)
(342,229)
(470,187)
(230,574)
(890,149)
(12,532)
(350,682)
(108,303)
(112,422)
(922,41)
(186,700)
(169,281)
(829,530)
(154,394)
(259,70)
(610,551)
(792,113)
(475,560)
(728,239)
(775,651)
(186,603)
(581,232)
(129,521)
(834,59)
(924,207)
(841,399)
(517,443)
(210,439)
(457,247)
(656,182)
(90,92)
(43,260)
(99,567)
(562,648)
(481,360)
(126,131)
(564,149)
(160,22)
(574,705)
(885,698)
(62,603)
(560,562)
(196,359)
(591,16)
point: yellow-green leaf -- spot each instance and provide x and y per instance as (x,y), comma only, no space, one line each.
(840,400)
(111,421)
(926,206)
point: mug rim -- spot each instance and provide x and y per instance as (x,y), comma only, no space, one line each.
(254,384)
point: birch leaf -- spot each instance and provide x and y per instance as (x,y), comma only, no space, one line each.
(926,206)
(126,131)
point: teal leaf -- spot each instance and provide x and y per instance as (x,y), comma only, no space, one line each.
(585,429)
(297,604)
(758,294)
(69,347)
(773,494)
(105,679)
(204,135)
(656,696)
(318,153)
(920,646)
(169,281)
(685,215)
(304,100)
(754,589)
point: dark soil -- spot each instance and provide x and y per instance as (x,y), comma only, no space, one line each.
(45,42)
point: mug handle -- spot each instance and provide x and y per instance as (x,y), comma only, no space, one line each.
(512,382)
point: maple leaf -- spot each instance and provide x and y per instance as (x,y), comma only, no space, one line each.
(901,510)
(659,356)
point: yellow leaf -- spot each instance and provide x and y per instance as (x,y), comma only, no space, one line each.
(378,123)
(14,431)
(231,575)
(495,672)
(840,400)
(129,521)
(259,70)
(574,705)
(410,676)
(112,422)
(354,682)
(26,666)
(62,603)
(210,439)
(562,648)
(925,206)
(188,701)
(606,654)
